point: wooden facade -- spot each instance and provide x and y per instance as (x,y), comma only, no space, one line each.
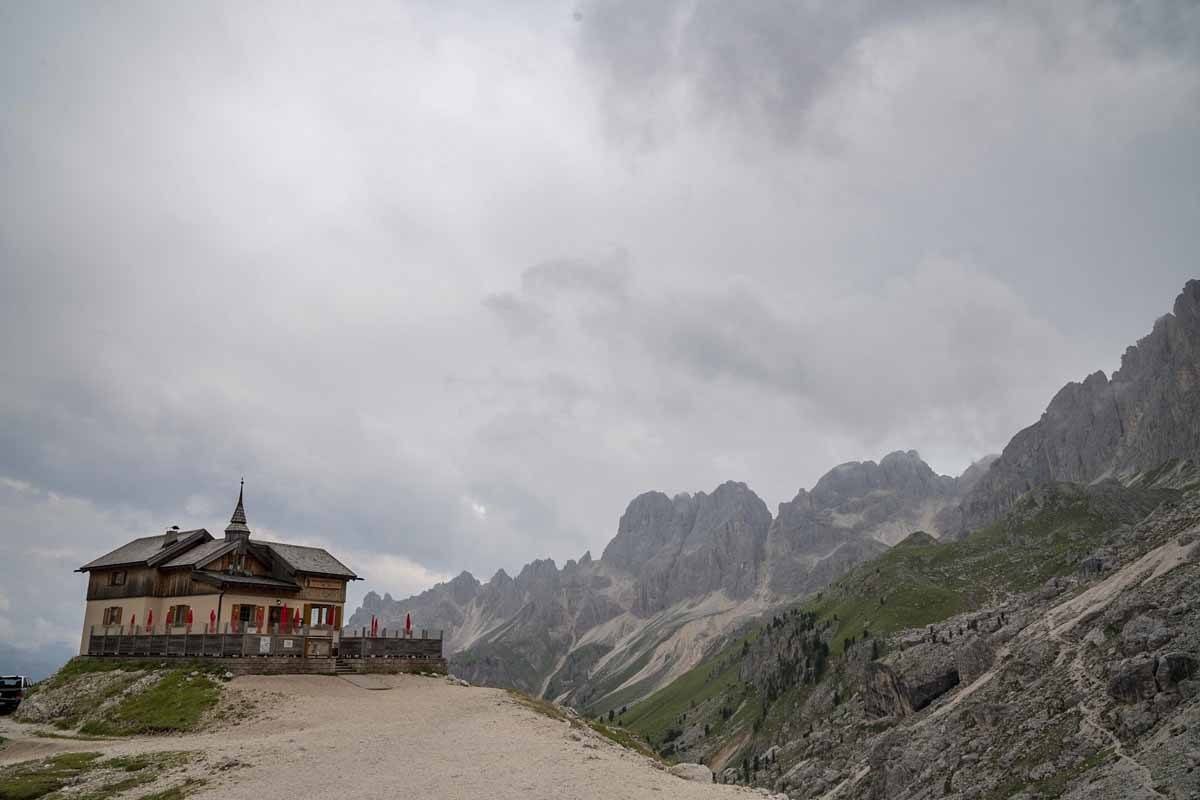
(190,582)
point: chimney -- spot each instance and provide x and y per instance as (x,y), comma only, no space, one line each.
(171,536)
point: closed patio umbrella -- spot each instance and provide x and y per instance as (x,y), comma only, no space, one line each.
(212,620)
(407,624)
(189,618)
(132,622)
(150,620)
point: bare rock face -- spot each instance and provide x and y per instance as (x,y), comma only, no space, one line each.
(1132,679)
(1173,669)
(852,514)
(1141,418)
(1143,633)
(691,545)
(884,693)
(692,772)
(910,681)
(973,656)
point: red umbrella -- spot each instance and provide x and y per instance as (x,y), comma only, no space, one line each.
(132,621)
(189,618)
(407,624)
(298,622)
(212,620)
(284,617)
(150,619)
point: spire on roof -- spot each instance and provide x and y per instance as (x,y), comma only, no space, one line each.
(237,523)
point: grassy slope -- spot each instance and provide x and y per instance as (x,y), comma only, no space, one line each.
(916,583)
(176,703)
(106,779)
(713,678)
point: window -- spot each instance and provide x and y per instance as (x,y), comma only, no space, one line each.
(112,616)
(116,578)
(177,615)
(322,615)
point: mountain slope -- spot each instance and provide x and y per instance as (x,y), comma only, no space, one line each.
(1000,637)
(678,576)
(1141,418)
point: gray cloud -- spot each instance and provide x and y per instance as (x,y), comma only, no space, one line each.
(449,284)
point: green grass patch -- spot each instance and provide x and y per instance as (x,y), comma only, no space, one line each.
(626,738)
(106,779)
(32,779)
(176,703)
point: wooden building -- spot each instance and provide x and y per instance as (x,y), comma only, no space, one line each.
(189,581)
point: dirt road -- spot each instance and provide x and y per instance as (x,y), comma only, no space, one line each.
(397,736)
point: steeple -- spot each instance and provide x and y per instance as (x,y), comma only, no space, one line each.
(237,523)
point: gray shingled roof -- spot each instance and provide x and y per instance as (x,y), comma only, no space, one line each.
(140,551)
(199,556)
(313,560)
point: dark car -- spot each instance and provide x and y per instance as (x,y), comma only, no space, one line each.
(12,691)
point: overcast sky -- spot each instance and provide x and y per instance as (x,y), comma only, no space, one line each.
(450,283)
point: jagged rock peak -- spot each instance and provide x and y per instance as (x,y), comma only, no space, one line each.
(463,577)
(538,568)
(1141,418)
(586,558)
(902,471)
(501,577)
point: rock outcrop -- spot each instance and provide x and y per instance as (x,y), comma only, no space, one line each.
(686,546)
(692,772)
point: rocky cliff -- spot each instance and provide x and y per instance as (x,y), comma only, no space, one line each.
(686,546)
(678,575)
(1142,417)
(1054,653)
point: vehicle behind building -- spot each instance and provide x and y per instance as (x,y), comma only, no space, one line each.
(12,691)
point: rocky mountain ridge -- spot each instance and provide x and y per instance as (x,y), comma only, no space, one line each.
(684,572)
(679,573)
(1142,417)
(963,670)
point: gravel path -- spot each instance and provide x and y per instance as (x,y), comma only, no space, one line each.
(407,736)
